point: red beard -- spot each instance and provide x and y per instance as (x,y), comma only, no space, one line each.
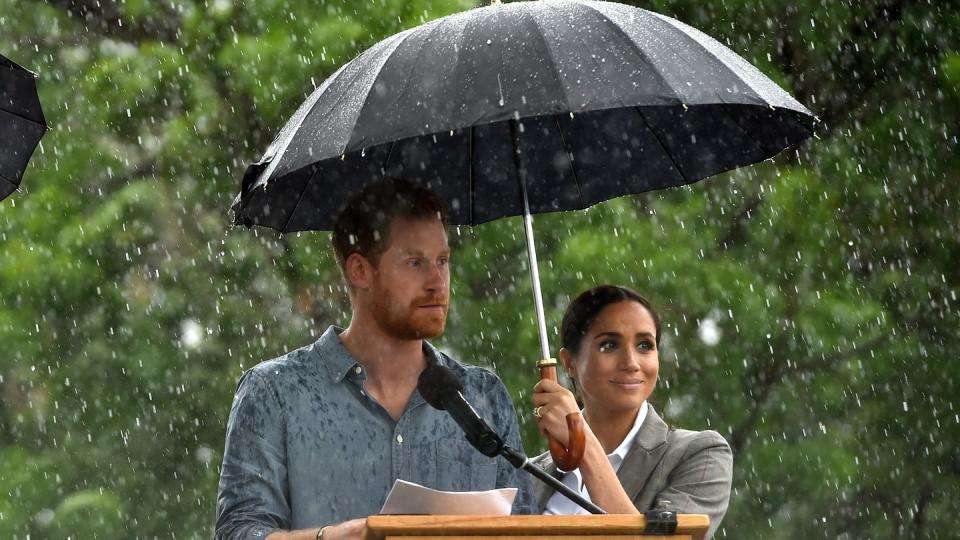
(410,322)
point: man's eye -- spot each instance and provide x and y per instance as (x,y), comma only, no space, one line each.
(443,261)
(414,262)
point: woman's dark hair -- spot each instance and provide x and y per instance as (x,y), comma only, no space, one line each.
(584,309)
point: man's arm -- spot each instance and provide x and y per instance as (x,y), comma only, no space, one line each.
(507,475)
(348,530)
(302,534)
(252,503)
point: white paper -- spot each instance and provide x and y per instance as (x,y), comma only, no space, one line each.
(409,498)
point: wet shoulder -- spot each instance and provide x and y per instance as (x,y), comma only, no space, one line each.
(486,392)
(696,440)
(291,365)
(474,378)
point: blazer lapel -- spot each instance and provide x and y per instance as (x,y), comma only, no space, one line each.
(544,491)
(645,453)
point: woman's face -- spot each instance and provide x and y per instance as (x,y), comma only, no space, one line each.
(617,365)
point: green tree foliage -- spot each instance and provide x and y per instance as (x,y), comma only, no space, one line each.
(810,302)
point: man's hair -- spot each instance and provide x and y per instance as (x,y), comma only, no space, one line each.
(363,225)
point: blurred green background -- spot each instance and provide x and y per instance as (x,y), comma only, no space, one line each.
(810,303)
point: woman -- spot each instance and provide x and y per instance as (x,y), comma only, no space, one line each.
(633,462)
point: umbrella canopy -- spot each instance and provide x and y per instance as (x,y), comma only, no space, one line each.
(21,123)
(575,101)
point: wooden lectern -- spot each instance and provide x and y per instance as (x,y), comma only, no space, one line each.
(608,527)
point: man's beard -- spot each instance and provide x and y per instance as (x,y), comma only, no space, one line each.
(405,322)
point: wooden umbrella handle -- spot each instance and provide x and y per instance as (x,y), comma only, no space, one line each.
(566,459)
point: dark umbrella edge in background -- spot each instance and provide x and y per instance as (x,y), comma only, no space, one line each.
(22,123)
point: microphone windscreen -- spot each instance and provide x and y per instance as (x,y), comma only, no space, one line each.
(436,382)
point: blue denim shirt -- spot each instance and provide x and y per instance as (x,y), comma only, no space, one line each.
(306,446)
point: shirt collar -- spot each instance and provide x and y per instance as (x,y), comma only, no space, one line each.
(627,442)
(337,361)
(618,455)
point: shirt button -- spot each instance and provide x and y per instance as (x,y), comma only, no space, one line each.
(358,370)
(399,439)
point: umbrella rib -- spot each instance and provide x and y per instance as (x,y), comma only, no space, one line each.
(307,108)
(663,147)
(793,118)
(8,63)
(373,83)
(296,207)
(633,45)
(724,107)
(566,149)
(4,178)
(386,161)
(553,64)
(283,139)
(386,58)
(693,37)
(470,176)
(22,117)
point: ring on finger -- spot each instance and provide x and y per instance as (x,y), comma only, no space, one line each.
(536,411)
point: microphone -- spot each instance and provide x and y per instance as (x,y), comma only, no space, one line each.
(442,390)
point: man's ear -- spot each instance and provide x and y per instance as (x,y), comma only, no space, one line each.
(359,271)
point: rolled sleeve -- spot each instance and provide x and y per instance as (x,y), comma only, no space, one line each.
(507,475)
(252,500)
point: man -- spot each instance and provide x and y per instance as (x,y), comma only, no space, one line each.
(317,437)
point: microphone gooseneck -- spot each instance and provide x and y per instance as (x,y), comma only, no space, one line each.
(442,390)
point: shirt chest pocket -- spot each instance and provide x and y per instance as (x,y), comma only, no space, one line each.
(460,467)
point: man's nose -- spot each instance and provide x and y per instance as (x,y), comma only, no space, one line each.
(437,278)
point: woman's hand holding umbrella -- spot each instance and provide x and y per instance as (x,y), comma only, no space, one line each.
(568,453)
(552,405)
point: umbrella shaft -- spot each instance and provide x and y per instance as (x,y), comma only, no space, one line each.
(534,273)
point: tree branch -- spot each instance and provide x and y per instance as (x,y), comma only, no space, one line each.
(108,18)
(862,65)
(736,233)
(776,373)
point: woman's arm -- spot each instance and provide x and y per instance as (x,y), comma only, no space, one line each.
(555,403)
(601,480)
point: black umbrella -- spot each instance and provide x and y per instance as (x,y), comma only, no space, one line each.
(21,123)
(523,108)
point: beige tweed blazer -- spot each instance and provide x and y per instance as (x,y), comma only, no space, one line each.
(692,470)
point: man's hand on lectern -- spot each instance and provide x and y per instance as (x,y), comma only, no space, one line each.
(348,530)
